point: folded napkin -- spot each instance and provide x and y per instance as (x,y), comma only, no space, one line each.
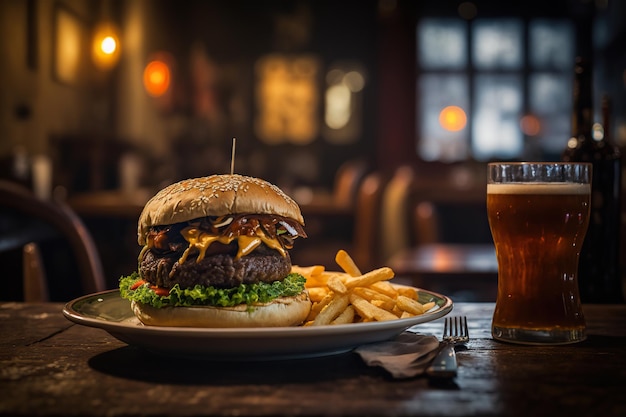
(405,356)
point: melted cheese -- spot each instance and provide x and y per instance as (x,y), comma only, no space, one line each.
(246,244)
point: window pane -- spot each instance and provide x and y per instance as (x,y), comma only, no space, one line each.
(436,92)
(551,44)
(497,44)
(441,43)
(550,99)
(498,107)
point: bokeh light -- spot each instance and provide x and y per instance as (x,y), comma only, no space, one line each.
(530,125)
(106,46)
(453,118)
(156,78)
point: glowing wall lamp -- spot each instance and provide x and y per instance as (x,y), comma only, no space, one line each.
(156,77)
(106,46)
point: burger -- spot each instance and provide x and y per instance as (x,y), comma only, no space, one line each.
(215,254)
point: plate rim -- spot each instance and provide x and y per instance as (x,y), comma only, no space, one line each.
(329,339)
(71,313)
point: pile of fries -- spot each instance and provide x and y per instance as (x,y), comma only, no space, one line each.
(353,297)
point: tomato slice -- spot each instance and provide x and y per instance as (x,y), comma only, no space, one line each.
(160,291)
(137,284)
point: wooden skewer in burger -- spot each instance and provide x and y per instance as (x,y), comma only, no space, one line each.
(215,254)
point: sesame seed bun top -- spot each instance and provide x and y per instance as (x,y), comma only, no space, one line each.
(215,195)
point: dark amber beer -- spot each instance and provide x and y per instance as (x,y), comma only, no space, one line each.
(538,226)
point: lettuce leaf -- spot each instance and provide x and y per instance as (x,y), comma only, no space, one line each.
(200,295)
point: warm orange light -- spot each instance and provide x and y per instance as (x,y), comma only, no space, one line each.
(156,78)
(106,46)
(452,118)
(530,125)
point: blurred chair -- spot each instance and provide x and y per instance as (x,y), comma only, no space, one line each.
(28,225)
(35,285)
(362,243)
(395,214)
(434,235)
(347,181)
(366,240)
(425,223)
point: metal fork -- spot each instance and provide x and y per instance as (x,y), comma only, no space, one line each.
(454,332)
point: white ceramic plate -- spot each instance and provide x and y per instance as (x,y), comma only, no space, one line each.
(108,311)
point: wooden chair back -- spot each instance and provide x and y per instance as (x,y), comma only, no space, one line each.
(366,241)
(347,181)
(394,218)
(49,218)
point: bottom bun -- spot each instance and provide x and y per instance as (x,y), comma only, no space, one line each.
(283,311)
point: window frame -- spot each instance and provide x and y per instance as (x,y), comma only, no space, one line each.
(529,147)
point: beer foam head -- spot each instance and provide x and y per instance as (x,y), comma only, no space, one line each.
(539,188)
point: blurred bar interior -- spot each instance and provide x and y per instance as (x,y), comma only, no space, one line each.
(377,116)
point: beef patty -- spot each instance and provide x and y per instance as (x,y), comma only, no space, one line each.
(219,270)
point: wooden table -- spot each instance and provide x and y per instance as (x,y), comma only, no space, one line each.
(50,366)
(466,272)
(111,203)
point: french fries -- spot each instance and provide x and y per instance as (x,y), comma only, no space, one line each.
(369,310)
(370,278)
(346,316)
(332,310)
(336,285)
(349,296)
(346,263)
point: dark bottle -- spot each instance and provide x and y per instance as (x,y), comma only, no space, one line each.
(599,277)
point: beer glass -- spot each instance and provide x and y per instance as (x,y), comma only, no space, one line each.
(538,214)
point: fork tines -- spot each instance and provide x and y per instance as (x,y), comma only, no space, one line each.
(455,326)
